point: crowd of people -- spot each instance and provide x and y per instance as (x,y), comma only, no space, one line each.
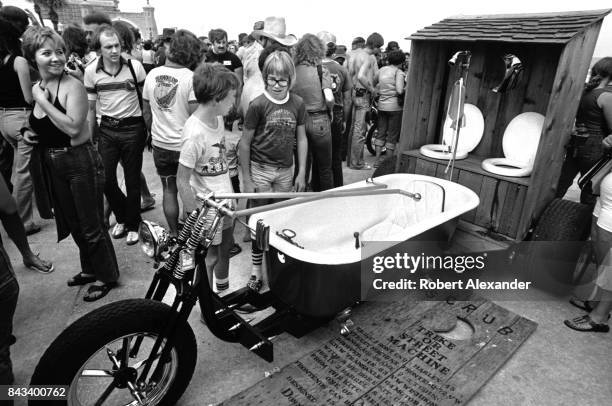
(269,112)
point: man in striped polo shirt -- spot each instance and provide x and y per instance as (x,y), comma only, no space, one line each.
(112,85)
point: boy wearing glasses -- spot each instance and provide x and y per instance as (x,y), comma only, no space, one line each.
(274,123)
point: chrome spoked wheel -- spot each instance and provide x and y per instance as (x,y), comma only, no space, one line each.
(109,377)
(101,357)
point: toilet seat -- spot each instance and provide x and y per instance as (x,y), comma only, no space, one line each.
(469,136)
(506,167)
(520,145)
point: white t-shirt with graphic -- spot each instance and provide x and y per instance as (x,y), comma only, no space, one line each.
(204,151)
(169,91)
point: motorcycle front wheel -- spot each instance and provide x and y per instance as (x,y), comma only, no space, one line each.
(89,357)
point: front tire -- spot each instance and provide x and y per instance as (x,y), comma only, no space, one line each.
(556,243)
(369,137)
(79,356)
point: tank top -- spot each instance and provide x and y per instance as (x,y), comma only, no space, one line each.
(590,119)
(11,95)
(49,135)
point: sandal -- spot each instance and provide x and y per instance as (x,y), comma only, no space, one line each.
(80,279)
(585,323)
(95,292)
(582,304)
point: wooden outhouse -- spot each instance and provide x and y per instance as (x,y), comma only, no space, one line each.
(555,50)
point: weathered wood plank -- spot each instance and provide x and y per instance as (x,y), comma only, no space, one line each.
(488,102)
(472,181)
(473,164)
(487,194)
(498,205)
(438,96)
(515,216)
(507,209)
(424,167)
(400,358)
(409,136)
(562,106)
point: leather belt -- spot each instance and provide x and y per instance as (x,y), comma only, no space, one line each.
(120,122)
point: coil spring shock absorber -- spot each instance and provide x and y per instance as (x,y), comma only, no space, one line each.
(209,224)
(204,224)
(171,264)
(189,223)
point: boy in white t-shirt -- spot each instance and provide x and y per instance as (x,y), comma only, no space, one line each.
(203,165)
(168,102)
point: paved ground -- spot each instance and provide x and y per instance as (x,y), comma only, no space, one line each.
(556,366)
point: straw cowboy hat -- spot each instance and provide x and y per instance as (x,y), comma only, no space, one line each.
(275,28)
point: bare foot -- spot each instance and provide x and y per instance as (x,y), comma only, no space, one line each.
(34,263)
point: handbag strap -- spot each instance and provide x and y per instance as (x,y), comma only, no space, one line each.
(138,94)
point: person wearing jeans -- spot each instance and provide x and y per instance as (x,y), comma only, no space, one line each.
(112,85)
(363,70)
(74,174)
(313,84)
(341,89)
(318,130)
(15,109)
(9,288)
(12,120)
(124,143)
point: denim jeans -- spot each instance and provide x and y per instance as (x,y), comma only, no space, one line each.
(361,106)
(124,144)
(9,291)
(318,131)
(11,121)
(389,125)
(582,154)
(337,134)
(77,177)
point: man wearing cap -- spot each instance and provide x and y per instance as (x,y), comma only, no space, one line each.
(363,70)
(341,88)
(340,54)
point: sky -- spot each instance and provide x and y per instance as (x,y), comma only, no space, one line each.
(394,19)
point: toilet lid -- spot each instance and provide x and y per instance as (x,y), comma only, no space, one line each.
(521,138)
(470,135)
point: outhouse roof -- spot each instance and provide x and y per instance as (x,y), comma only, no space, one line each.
(556,28)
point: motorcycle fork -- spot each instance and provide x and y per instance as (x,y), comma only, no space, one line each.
(157,290)
(181,309)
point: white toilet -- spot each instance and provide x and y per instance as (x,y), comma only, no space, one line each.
(469,136)
(520,145)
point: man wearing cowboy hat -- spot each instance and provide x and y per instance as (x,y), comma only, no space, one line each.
(274,30)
